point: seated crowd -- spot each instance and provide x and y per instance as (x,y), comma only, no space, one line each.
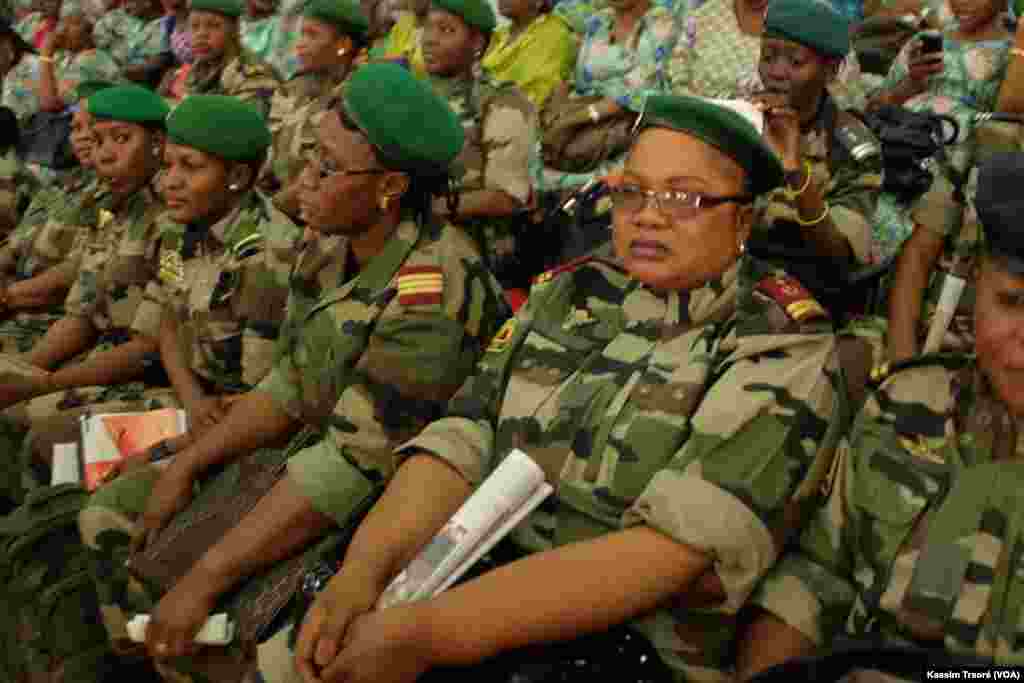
(665,248)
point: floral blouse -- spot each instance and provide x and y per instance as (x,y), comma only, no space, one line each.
(20,88)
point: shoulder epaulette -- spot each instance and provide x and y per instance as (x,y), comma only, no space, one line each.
(566,267)
(798,303)
(949,360)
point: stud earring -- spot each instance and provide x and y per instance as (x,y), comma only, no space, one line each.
(234,187)
(741,247)
(384,203)
(342,52)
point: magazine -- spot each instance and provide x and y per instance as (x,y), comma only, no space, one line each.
(110,438)
(504,499)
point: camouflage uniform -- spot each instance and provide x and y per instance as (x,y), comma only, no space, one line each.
(16,188)
(851,183)
(704,414)
(44,238)
(243,77)
(294,117)
(500,153)
(922,537)
(117,260)
(412,323)
(227,290)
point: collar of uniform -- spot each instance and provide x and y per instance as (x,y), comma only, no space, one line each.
(407,232)
(219,230)
(714,301)
(825,118)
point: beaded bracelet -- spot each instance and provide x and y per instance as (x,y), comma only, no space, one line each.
(819,219)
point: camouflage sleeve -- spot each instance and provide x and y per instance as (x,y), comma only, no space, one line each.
(509,136)
(9,172)
(936,209)
(852,195)
(250,81)
(755,436)
(151,309)
(262,300)
(464,438)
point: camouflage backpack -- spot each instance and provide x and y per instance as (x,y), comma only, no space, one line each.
(52,630)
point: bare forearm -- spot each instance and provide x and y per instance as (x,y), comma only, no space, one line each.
(768,641)
(560,594)
(49,100)
(486,204)
(253,421)
(1011,92)
(913,269)
(424,493)
(281,524)
(65,338)
(183,380)
(46,289)
(897,95)
(120,364)
(825,237)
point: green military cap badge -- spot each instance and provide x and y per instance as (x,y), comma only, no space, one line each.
(200,121)
(346,15)
(503,336)
(229,8)
(722,127)
(814,23)
(476,13)
(410,125)
(131,103)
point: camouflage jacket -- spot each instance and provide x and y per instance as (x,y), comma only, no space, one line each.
(704,414)
(922,538)
(371,358)
(500,152)
(49,229)
(118,258)
(846,160)
(227,288)
(295,112)
(16,187)
(244,77)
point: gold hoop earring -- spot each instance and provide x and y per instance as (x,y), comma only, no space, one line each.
(384,203)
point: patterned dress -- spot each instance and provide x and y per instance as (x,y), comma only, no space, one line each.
(268,40)
(624,72)
(20,88)
(968,84)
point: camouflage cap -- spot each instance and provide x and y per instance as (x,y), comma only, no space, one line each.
(999,203)
(346,15)
(200,121)
(814,23)
(229,8)
(721,127)
(410,125)
(131,103)
(476,13)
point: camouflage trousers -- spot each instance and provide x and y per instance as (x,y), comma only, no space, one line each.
(20,333)
(29,430)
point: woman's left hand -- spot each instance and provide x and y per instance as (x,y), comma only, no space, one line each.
(179,616)
(386,646)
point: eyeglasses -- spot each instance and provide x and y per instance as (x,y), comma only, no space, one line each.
(326,168)
(675,204)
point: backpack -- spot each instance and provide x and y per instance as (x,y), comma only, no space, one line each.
(52,622)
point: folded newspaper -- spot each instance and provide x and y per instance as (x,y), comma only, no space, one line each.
(504,499)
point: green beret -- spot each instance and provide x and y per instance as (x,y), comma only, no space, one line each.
(347,16)
(87,89)
(200,121)
(410,125)
(476,13)
(813,23)
(229,8)
(131,103)
(724,129)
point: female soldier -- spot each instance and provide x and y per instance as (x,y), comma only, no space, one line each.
(676,393)
(921,539)
(221,66)
(118,259)
(332,33)
(38,264)
(219,300)
(388,312)
(501,149)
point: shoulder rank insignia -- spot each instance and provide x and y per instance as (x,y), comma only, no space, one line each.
(794,298)
(880,372)
(104,219)
(420,285)
(501,339)
(248,245)
(172,268)
(549,275)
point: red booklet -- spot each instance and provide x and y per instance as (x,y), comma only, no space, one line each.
(110,438)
